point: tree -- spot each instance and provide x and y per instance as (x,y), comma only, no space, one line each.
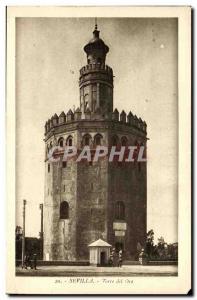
(173,251)
(162,248)
(149,247)
(161,251)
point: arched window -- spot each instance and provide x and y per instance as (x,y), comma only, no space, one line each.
(124,141)
(51,145)
(97,139)
(69,141)
(119,211)
(61,142)
(114,140)
(64,210)
(86,140)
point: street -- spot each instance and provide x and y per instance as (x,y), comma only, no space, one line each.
(130,270)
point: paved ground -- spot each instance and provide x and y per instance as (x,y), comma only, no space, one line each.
(99,271)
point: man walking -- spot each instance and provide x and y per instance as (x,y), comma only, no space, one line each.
(120,258)
(35,261)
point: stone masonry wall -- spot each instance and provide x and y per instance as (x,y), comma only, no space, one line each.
(91,190)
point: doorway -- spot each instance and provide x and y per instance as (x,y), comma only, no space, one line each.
(118,246)
(103,258)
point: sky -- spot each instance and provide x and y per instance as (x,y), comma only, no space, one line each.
(143,55)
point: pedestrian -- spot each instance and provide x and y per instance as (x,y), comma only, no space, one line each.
(35,261)
(28,261)
(24,265)
(113,257)
(120,258)
(110,261)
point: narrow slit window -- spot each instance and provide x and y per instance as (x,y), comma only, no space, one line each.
(64,164)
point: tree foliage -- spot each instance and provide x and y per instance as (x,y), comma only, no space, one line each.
(161,250)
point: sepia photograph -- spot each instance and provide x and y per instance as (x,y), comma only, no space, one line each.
(95,112)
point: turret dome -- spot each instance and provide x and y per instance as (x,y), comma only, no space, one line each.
(96,49)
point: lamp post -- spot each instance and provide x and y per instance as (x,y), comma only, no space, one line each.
(41,232)
(23,237)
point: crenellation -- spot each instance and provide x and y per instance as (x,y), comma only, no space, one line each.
(77,114)
(130,119)
(70,116)
(115,115)
(123,116)
(55,120)
(62,118)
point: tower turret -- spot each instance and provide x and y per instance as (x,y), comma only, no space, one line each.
(96,49)
(96,79)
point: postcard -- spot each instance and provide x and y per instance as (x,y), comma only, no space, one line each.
(98,150)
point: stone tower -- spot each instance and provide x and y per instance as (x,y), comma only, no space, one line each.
(85,201)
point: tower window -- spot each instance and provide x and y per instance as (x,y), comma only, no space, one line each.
(120,211)
(114,141)
(119,246)
(99,60)
(64,210)
(64,164)
(124,141)
(97,139)
(86,140)
(69,141)
(61,142)
(64,188)
(48,168)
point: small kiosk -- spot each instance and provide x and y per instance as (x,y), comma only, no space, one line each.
(99,253)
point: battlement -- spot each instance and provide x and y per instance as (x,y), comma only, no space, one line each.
(96,67)
(129,119)
(122,118)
